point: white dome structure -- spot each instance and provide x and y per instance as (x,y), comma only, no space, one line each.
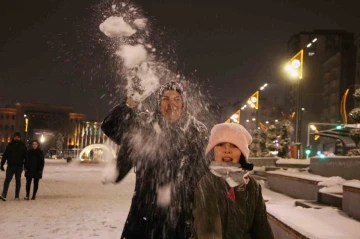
(101,153)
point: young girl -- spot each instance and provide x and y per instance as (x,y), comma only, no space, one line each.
(228,203)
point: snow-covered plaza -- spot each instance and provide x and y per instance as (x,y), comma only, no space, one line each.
(72,202)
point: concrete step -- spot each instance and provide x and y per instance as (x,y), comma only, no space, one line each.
(331,199)
(260,173)
(257,177)
(310,204)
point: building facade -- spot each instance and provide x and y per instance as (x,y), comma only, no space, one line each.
(329,69)
(54,126)
(8,118)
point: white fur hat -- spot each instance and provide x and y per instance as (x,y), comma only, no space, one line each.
(230,133)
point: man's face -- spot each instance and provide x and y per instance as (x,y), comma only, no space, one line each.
(171,105)
(16,138)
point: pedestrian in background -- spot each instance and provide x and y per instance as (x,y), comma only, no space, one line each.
(34,166)
(14,155)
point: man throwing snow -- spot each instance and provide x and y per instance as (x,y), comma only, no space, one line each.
(166,149)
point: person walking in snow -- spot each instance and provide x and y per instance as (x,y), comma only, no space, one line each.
(166,150)
(34,166)
(229,203)
(14,155)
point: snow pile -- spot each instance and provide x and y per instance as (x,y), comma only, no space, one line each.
(332,185)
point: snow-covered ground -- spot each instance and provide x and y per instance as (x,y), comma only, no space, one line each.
(71,203)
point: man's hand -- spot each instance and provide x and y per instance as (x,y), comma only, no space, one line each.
(2,168)
(131,103)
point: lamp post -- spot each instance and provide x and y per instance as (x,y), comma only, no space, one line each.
(253,102)
(295,69)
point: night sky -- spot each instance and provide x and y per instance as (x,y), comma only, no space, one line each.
(51,51)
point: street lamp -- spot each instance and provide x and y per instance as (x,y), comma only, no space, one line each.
(312,126)
(42,138)
(235,118)
(295,69)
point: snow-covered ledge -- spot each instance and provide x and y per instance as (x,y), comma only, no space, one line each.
(342,166)
(263,161)
(351,198)
(295,184)
(293,163)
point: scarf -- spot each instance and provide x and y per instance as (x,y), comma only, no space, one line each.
(232,173)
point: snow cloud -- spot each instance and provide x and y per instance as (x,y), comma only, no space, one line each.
(140,23)
(116,27)
(132,56)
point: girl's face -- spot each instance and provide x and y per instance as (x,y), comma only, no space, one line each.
(227,152)
(35,145)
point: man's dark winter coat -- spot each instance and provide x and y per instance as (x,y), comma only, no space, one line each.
(34,163)
(161,153)
(15,154)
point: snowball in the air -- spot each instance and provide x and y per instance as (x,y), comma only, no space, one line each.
(116,27)
(148,82)
(132,55)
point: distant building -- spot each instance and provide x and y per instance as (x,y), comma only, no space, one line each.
(329,69)
(46,123)
(357,44)
(8,118)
